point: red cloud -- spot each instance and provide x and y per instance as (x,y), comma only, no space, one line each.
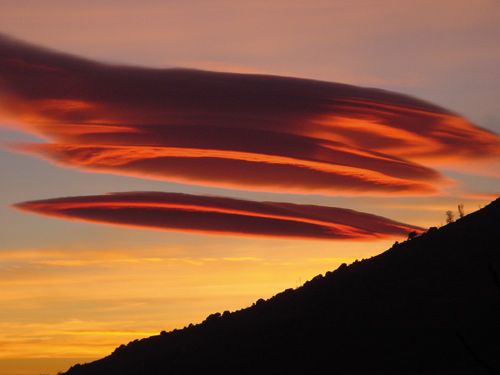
(209,214)
(238,130)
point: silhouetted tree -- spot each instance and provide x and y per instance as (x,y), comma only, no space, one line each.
(213,317)
(412,235)
(260,302)
(450,217)
(461,212)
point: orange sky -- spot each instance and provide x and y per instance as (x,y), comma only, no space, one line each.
(71,290)
(74,303)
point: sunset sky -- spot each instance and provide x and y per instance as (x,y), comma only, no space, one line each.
(138,197)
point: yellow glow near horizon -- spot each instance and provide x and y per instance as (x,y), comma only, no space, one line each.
(83,304)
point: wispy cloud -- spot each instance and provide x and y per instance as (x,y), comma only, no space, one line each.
(218,215)
(232,130)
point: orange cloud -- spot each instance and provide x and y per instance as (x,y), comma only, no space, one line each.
(237,130)
(218,215)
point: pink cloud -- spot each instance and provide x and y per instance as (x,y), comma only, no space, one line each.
(233,130)
(218,215)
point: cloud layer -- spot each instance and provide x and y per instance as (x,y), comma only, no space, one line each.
(231,130)
(211,214)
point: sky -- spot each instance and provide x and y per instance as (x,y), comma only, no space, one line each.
(228,187)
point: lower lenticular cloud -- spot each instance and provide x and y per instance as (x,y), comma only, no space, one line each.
(231,130)
(217,215)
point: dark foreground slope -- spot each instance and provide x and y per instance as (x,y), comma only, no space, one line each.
(428,306)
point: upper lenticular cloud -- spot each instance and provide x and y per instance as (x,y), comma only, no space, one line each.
(232,130)
(209,214)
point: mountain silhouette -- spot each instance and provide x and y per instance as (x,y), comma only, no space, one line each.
(430,305)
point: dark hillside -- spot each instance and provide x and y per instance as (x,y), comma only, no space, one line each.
(430,305)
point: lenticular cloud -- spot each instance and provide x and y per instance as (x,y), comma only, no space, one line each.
(218,215)
(232,130)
